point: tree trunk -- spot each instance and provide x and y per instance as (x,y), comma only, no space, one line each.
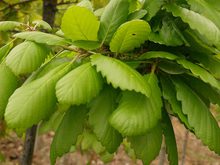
(29,146)
(49,11)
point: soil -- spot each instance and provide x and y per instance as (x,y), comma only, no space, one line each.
(195,154)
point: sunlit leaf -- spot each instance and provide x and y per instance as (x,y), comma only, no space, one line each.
(34,101)
(115,14)
(79,86)
(143,113)
(129,36)
(120,74)
(41,37)
(9,25)
(8,83)
(5,49)
(26,57)
(78,26)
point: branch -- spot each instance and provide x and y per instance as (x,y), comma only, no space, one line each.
(15,4)
(67,3)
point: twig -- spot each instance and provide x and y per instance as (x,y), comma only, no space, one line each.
(185,147)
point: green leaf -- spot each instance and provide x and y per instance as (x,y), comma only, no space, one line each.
(87,4)
(138,14)
(206,9)
(169,34)
(143,113)
(87,45)
(158,54)
(78,26)
(197,44)
(171,67)
(197,22)
(147,146)
(9,25)
(101,109)
(169,93)
(129,36)
(41,37)
(5,49)
(208,61)
(26,57)
(205,126)
(68,131)
(8,84)
(42,24)
(114,15)
(79,86)
(53,122)
(171,147)
(152,6)
(198,71)
(203,89)
(34,101)
(120,74)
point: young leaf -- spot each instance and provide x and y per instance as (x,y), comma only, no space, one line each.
(198,71)
(120,74)
(78,26)
(68,131)
(79,86)
(171,147)
(205,126)
(197,22)
(4,50)
(34,101)
(9,25)
(114,15)
(129,36)
(42,24)
(8,83)
(41,37)
(147,146)
(143,113)
(86,3)
(101,109)
(26,57)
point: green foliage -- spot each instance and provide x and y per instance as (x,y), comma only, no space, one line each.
(8,83)
(116,74)
(78,26)
(26,57)
(124,76)
(41,37)
(129,36)
(68,131)
(115,14)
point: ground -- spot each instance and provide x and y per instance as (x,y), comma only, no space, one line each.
(196,154)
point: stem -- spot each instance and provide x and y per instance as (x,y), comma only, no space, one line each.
(29,146)
(185,147)
(162,154)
